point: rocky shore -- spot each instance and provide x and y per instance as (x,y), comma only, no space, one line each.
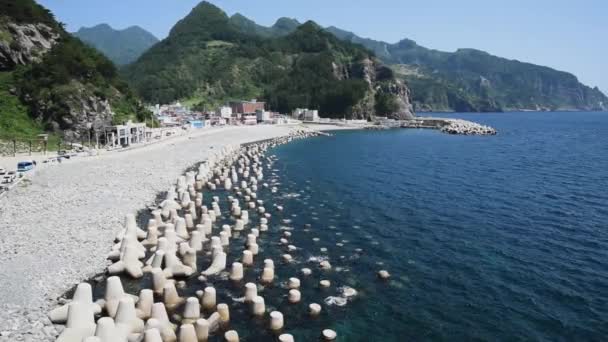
(58,228)
(183,228)
(464,127)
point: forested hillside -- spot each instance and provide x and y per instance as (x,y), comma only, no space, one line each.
(211,60)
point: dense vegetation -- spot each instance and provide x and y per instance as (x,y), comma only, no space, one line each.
(28,12)
(475,80)
(60,93)
(209,58)
(282,27)
(120,46)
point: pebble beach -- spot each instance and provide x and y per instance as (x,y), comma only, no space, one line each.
(59,226)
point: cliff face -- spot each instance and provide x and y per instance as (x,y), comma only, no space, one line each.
(381,84)
(51,81)
(473,80)
(22,44)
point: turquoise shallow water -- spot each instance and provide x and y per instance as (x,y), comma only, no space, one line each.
(487,238)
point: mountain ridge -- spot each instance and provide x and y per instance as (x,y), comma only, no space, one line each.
(122,46)
(523,85)
(206,56)
(468,79)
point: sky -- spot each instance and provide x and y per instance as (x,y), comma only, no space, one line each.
(568,35)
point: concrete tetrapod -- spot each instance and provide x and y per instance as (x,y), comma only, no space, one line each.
(258,306)
(276,320)
(192,311)
(170,296)
(83,295)
(152,335)
(129,261)
(106,331)
(267,275)
(251,291)
(236,273)
(231,336)
(294,296)
(144,304)
(224,311)
(247,258)
(209,298)
(286,338)
(329,335)
(314,309)
(126,318)
(80,323)
(159,316)
(114,293)
(202,330)
(217,265)
(187,333)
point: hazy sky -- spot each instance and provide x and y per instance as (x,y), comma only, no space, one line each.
(569,35)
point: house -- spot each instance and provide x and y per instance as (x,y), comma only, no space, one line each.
(263,116)
(311,115)
(225,112)
(125,135)
(247,107)
(305,114)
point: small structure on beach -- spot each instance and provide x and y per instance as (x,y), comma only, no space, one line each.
(306,114)
(125,135)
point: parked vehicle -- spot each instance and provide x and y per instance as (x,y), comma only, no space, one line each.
(26,165)
(13,175)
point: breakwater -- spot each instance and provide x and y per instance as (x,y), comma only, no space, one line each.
(214,252)
(450,126)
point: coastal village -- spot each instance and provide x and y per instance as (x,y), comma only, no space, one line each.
(176,119)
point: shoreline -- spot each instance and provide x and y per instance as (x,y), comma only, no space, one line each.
(60,226)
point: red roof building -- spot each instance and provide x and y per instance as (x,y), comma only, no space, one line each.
(247,107)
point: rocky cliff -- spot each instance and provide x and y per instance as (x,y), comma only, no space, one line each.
(22,44)
(474,80)
(51,81)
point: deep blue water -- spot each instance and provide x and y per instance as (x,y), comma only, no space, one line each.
(486,238)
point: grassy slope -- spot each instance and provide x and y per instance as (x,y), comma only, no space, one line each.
(14,119)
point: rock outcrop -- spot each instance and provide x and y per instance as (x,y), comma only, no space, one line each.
(22,44)
(381,81)
(55,82)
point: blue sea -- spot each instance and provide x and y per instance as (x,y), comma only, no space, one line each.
(486,238)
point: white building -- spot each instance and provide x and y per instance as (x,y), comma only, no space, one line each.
(225,112)
(311,115)
(263,116)
(305,114)
(297,113)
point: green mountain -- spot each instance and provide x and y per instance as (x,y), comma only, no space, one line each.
(282,27)
(473,80)
(209,58)
(51,81)
(120,46)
